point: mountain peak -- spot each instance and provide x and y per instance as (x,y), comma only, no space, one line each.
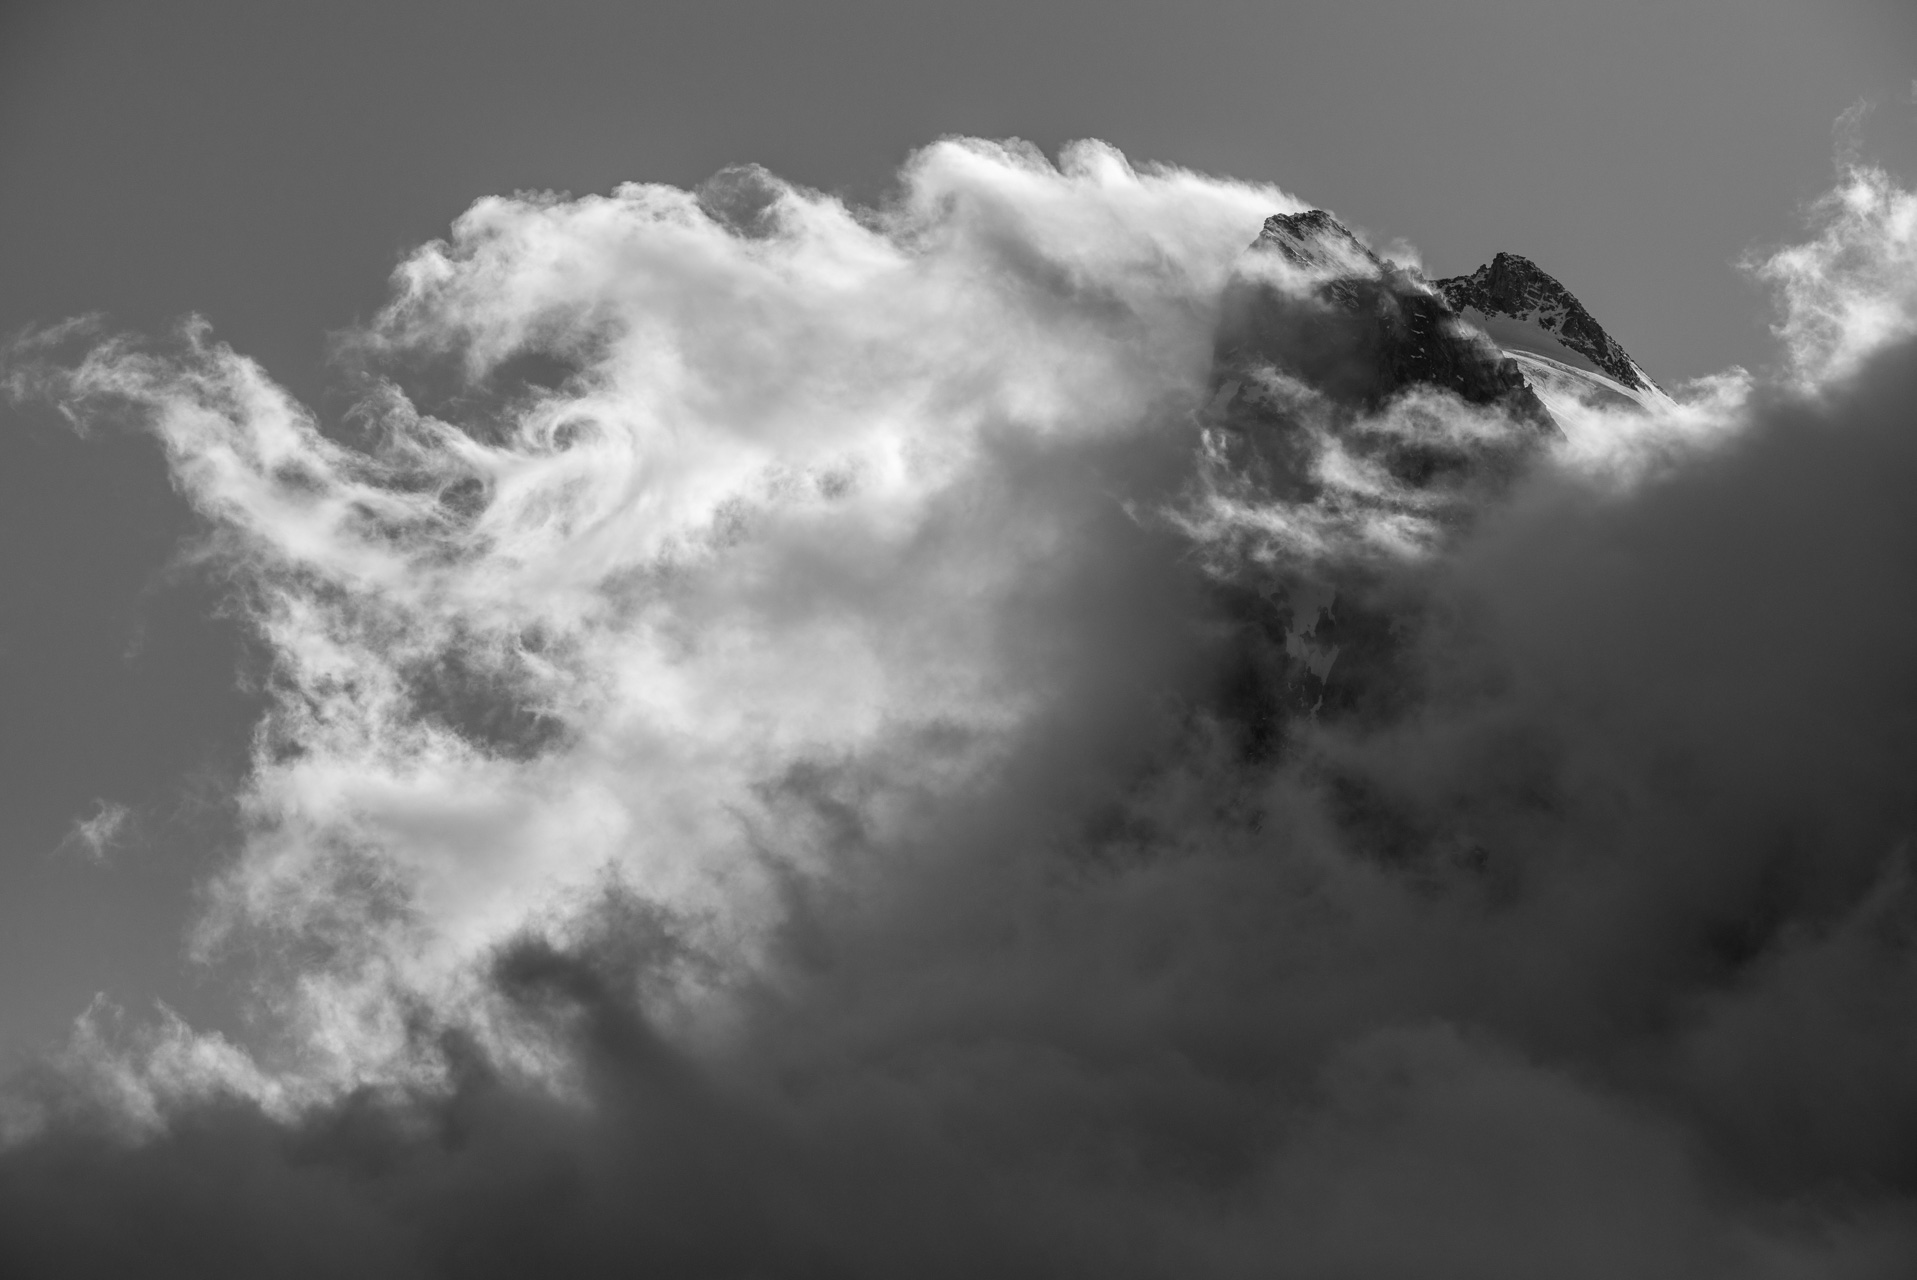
(1387,329)
(1315,239)
(1511,288)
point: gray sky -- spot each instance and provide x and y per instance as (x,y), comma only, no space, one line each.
(265,166)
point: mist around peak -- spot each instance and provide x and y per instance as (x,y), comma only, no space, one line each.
(1013,733)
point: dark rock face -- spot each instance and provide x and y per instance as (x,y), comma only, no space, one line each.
(1326,350)
(1320,345)
(1312,239)
(1367,332)
(1355,334)
(1516,287)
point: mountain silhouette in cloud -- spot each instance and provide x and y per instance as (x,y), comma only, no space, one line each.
(1365,329)
(1333,385)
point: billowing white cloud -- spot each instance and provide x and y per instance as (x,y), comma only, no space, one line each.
(771,514)
(1853,288)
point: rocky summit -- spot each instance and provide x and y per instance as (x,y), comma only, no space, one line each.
(1366,330)
(1514,287)
(1314,239)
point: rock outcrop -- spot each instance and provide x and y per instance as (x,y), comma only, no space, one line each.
(1366,330)
(1516,288)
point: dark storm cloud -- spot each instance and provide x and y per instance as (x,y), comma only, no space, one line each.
(1153,1012)
(1154,1035)
(1570,934)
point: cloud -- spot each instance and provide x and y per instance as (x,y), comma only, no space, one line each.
(803,743)
(1849,291)
(93,838)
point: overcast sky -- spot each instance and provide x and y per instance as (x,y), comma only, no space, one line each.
(266,166)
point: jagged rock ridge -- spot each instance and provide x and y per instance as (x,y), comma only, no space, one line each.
(1314,239)
(1513,286)
(1395,330)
